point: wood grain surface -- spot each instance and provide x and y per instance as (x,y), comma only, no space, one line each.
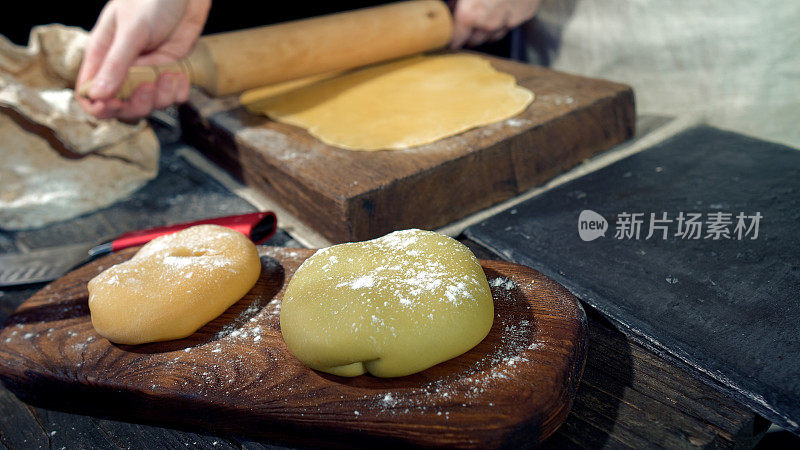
(347,195)
(236,375)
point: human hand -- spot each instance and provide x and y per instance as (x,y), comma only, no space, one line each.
(139,32)
(479,21)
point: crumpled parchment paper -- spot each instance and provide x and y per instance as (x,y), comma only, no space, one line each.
(56,161)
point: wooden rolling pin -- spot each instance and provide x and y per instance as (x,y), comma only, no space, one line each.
(232,62)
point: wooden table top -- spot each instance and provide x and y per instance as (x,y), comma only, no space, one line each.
(629,396)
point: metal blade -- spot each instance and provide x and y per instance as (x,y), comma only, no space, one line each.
(41,265)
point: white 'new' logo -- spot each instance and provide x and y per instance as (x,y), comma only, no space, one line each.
(591,225)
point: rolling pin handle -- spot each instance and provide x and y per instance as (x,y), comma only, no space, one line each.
(138,75)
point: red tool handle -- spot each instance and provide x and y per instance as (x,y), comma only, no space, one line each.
(258,226)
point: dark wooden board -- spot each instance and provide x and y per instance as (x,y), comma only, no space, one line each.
(236,375)
(348,195)
(728,310)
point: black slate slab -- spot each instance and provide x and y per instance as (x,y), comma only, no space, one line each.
(727,307)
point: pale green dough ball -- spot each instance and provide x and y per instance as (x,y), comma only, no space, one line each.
(391,306)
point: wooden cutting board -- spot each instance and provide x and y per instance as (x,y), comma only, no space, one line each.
(347,195)
(235,374)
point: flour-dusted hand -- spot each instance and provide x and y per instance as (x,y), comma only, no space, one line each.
(479,21)
(139,32)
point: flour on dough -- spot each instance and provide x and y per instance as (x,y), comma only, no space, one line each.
(174,285)
(397,105)
(391,306)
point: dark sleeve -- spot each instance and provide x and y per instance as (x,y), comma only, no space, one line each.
(225,15)
(229,15)
(16,24)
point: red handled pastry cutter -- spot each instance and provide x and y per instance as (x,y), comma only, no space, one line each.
(50,263)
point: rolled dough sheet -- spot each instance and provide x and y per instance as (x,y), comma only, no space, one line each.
(396,105)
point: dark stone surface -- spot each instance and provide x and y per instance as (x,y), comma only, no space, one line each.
(728,308)
(180,193)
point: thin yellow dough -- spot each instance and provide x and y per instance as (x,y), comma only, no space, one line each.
(396,105)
